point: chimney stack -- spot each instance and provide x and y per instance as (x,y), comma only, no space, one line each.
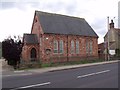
(111,24)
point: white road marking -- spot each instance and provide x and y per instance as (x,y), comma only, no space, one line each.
(26,74)
(102,72)
(32,86)
(82,76)
(17,74)
(19,71)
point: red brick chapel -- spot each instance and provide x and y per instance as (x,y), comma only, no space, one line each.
(59,38)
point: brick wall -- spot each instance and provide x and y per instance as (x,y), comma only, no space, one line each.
(46,43)
(26,50)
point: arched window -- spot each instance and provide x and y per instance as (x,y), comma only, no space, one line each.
(33,54)
(87,47)
(91,47)
(77,47)
(61,46)
(55,46)
(72,47)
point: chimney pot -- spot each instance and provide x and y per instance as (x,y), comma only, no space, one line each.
(111,24)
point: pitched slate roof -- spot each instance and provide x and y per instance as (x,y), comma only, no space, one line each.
(61,24)
(114,29)
(30,39)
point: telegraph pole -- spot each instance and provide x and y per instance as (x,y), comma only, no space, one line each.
(108,37)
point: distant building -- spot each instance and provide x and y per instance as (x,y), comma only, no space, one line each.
(114,42)
(59,38)
(114,37)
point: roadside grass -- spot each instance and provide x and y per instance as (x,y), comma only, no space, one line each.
(70,63)
(51,64)
(57,64)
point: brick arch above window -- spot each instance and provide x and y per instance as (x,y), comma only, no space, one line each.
(32,46)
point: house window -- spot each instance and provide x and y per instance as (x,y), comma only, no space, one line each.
(91,47)
(77,47)
(72,47)
(61,46)
(55,46)
(87,47)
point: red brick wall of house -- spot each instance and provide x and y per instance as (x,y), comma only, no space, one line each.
(48,44)
(36,27)
(26,52)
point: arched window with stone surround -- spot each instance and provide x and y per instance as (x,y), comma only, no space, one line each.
(87,47)
(77,47)
(91,47)
(33,54)
(72,47)
(55,46)
(61,46)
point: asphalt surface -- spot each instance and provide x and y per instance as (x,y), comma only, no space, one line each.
(98,76)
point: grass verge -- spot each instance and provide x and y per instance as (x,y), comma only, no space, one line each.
(45,65)
(70,63)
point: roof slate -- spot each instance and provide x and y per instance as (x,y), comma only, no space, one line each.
(30,39)
(61,24)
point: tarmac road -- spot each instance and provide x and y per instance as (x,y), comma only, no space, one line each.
(95,76)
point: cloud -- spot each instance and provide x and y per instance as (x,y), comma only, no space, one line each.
(19,13)
(19,5)
(15,22)
(7,5)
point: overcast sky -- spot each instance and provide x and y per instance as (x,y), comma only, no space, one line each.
(16,16)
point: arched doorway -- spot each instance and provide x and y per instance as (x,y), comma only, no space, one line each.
(33,54)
